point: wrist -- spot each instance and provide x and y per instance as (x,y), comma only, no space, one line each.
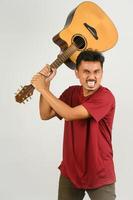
(43,90)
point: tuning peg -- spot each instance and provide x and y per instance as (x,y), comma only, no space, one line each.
(21,86)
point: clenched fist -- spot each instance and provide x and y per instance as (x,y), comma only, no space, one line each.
(42,79)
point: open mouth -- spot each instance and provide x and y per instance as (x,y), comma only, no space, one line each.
(91,83)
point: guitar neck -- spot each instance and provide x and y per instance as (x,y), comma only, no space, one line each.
(27,90)
(61,58)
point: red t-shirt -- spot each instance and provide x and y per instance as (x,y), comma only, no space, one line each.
(87,149)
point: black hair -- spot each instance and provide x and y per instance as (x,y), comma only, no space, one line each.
(89,55)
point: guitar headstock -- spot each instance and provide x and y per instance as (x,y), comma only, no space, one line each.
(25,93)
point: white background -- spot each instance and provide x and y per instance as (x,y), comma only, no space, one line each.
(31,149)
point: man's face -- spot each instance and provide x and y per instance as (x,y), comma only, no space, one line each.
(89,74)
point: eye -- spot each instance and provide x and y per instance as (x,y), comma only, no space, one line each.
(86,72)
(97,71)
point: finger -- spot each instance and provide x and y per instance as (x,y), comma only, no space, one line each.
(54,70)
(52,74)
(36,76)
(42,74)
(45,70)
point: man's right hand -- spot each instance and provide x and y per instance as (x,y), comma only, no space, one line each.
(48,72)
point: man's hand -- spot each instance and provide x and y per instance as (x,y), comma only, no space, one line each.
(42,79)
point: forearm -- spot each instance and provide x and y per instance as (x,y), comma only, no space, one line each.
(44,107)
(59,106)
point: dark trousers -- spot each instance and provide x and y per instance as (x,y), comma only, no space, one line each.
(67,191)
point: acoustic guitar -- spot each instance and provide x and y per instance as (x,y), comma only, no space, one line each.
(86,27)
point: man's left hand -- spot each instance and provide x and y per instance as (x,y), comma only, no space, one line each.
(39,82)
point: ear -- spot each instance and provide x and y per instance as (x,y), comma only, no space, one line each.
(76,73)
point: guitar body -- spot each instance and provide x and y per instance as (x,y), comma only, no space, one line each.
(88,24)
(86,27)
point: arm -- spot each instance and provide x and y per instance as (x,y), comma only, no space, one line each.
(46,112)
(55,105)
(64,110)
(44,76)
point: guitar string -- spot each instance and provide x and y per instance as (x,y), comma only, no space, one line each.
(61,58)
(67,52)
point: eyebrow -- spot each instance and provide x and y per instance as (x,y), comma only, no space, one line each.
(89,70)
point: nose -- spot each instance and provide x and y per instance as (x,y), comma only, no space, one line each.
(91,76)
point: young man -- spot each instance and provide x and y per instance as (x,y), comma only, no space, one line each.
(88,110)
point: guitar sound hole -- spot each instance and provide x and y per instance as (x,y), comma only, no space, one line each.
(79,42)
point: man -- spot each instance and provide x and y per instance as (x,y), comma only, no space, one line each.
(88,110)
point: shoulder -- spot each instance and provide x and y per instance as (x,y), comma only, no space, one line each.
(102,95)
(107,93)
(72,89)
(68,92)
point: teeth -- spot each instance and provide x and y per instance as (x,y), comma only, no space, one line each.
(91,83)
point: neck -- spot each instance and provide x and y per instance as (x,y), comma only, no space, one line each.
(87,92)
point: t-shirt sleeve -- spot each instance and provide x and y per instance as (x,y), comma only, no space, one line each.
(63,97)
(100,106)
